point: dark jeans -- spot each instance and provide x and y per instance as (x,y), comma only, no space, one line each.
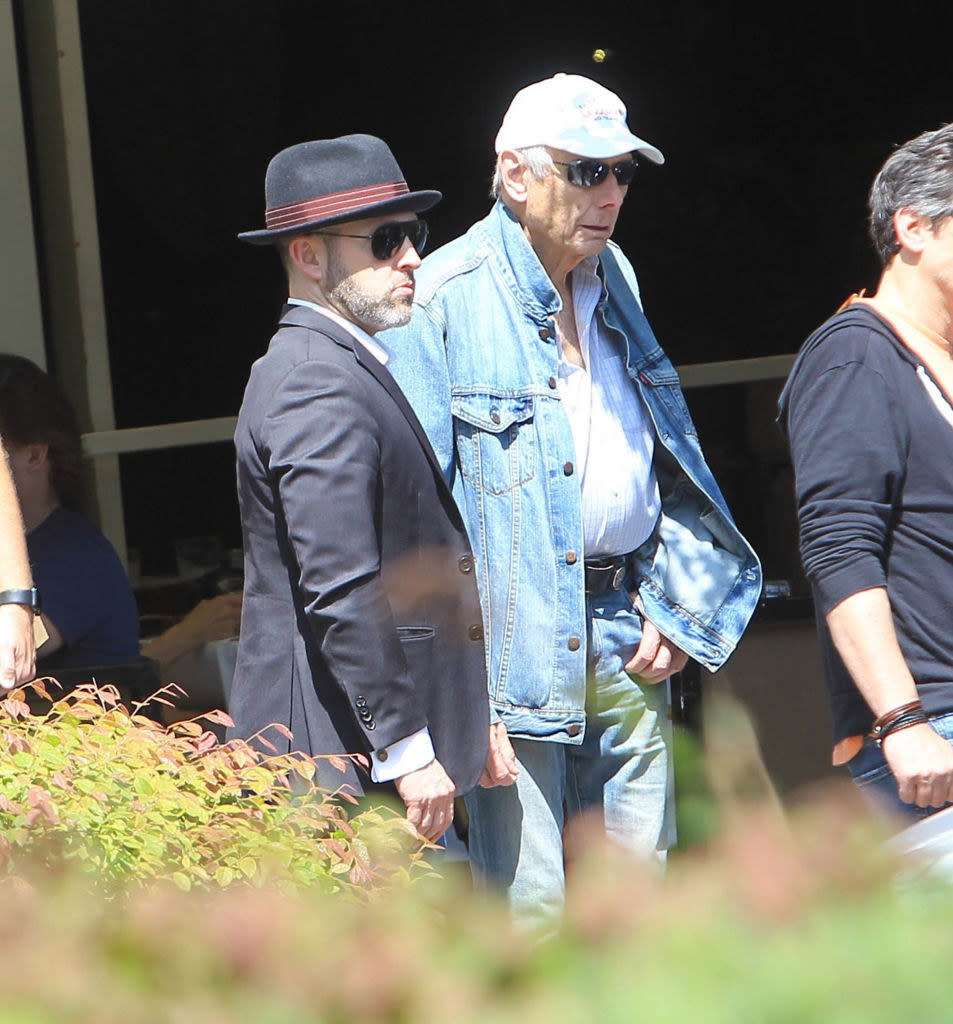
(871,773)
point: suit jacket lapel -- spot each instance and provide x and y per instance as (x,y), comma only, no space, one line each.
(304,316)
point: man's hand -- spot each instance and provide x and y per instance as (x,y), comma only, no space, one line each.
(656,658)
(501,767)
(17,653)
(922,763)
(215,618)
(428,796)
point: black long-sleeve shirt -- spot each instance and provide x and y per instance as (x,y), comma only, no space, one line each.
(873,460)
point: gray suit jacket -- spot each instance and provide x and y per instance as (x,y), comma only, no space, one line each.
(361,619)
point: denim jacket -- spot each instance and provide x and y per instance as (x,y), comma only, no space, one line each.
(479,364)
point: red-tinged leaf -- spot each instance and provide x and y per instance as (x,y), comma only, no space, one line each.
(207,741)
(33,817)
(283,730)
(16,708)
(337,762)
(267,743)
(362,760)
(10,806)
(359,874)
(40,689)
(59,779)
(39,799)
(156,699)
(344,794)
(336,847)
(218,717)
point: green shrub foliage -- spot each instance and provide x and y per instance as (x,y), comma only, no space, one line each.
(89,782)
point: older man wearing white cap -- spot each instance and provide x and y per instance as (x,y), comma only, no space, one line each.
(603,548)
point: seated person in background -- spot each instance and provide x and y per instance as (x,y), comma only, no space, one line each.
(216,618)
(88,606)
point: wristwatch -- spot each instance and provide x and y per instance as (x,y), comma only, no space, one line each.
(30,598)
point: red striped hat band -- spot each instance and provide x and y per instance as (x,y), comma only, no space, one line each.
(333,205)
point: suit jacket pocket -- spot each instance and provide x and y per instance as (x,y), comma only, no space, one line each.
(411,633)
(417,644)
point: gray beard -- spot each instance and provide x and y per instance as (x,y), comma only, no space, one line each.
(379,314)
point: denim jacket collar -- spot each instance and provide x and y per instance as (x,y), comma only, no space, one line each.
(516,262)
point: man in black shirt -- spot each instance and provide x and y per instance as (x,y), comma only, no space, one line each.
(867,410)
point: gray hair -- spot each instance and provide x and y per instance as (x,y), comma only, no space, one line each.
(537,158)
(917,177)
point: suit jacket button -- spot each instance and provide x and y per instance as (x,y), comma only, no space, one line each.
(382,755)
(475,632)
(465,564)
(574,729)
(574,644)
(370,725)
(360,702)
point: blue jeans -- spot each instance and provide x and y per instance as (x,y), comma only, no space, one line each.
(873,776)
(622,769)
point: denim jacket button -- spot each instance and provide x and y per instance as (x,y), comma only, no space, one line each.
(544,333)
(568,468)
(495,415)
(574,728)
(552,383)
(571,557)
(574,643)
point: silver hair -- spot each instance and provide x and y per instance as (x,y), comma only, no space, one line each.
(537,158)
(917,177)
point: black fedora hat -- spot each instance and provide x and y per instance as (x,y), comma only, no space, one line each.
(329,181)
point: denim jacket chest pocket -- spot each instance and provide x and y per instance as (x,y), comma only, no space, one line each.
(495,439)
(661,382)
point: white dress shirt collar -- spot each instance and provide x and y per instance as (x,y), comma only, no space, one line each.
(376,349)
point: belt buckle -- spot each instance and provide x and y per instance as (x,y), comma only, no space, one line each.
(618,576)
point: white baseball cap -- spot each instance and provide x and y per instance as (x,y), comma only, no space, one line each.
(572,113)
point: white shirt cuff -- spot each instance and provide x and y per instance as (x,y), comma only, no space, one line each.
(406,755)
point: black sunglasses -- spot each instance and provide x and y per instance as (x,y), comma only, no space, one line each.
(388,238)
(588,173)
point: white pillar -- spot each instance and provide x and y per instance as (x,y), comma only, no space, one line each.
(20,314)
(67,225)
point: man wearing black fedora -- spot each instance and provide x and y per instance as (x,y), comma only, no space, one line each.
(361,627)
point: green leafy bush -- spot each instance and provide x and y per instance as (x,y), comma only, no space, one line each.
(131,801)
(774,922)
(774,914)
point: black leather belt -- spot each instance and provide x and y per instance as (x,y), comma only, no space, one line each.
(604,574)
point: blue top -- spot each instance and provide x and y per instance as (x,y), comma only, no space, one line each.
(84,592)
(479,364)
